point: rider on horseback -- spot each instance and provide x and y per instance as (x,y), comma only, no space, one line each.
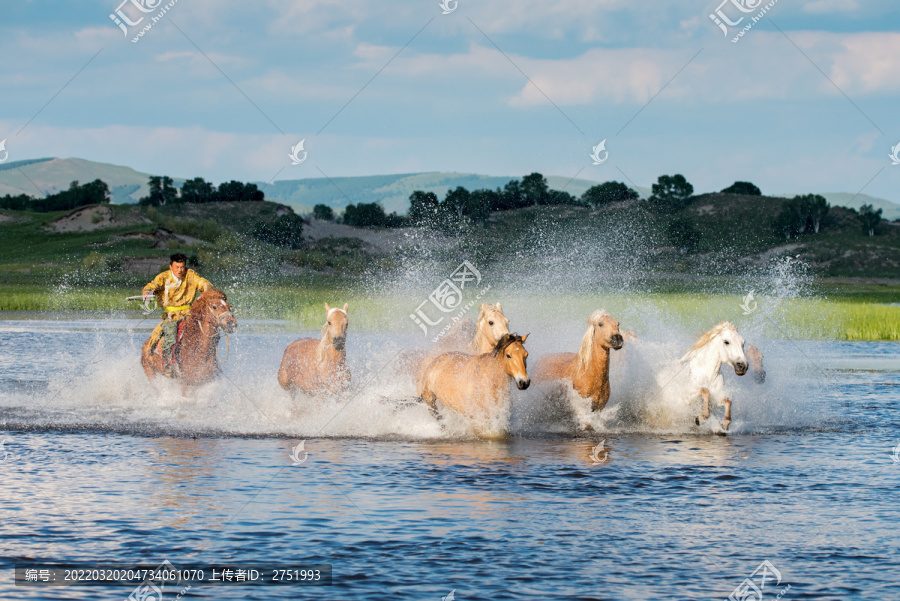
(175,290)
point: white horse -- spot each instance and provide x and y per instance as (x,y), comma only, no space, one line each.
(698,371)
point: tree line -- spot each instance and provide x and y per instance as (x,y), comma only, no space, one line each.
(198,190)
(92,193)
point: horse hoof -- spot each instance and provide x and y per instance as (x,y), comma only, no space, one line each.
(588,428)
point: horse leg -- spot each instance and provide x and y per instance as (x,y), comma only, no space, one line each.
(704,415)
(727,421)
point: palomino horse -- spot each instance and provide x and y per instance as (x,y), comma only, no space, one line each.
(196,353)
(588,369)
(721,345)
(490,326)
(318,365)
(476,386)
(756,363)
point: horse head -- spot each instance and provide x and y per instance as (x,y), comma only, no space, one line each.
(492,323)
(605,330)
(335,327)
(730,347)
(213,308)
(511,351)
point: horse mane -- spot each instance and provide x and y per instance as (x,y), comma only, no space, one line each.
(586,351)
(323,342)
(708,337)
(505,342)
(205,300)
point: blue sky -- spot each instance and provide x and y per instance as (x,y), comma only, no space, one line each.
(806,100)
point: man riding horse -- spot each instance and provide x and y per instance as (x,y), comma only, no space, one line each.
(175,289)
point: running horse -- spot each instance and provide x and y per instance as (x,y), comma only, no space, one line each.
(476,386)
(462,336)
(317,366)
(196,359)
(588,369)
(722,345)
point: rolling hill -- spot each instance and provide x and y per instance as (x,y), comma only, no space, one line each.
(126,185)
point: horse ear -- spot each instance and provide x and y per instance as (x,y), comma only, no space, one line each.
(327,308)
(525,337)
(499,308)
(345,307)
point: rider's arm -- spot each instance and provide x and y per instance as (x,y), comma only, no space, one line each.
(203,284)
(157,283)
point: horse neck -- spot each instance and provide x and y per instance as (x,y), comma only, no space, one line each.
(706,363)
(327,353)
(598,366)
(194,335)
(480,343)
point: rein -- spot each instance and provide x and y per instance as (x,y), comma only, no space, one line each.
(215,333)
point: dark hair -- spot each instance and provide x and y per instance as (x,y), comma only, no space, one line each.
(178,258)
(505,341)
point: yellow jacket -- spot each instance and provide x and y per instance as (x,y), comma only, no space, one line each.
(177,296)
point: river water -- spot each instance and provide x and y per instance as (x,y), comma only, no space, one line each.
(100,467)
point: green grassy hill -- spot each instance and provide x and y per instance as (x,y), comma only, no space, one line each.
(52,175)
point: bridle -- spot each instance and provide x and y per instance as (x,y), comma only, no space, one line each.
(217,325)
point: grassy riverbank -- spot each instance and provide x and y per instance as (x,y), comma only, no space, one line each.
(853,314)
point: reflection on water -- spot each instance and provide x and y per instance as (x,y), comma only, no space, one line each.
(97,465)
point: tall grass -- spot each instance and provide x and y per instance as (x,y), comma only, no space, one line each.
(303,307)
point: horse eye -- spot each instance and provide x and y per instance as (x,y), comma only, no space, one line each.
(329,323)
(508,356)
(490,323)
(726,342)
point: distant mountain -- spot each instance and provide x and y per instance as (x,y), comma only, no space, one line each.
(392,191)
(52,175)
(845,199)
(49,175)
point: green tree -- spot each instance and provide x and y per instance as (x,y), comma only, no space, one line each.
(608,192)
(162,191)
(365,214)
(323,213)
(671,193)
(198,190)
(870,218)
(535,190)
(285,232)
(745,188)
(480,204)
(818,211)
(513,196)
(423,208)
(456,203)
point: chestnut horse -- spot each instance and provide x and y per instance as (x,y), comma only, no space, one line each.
(317,366)
(476,386)
(196,358)
(588,369)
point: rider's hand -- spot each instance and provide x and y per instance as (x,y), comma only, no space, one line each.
(146,296)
